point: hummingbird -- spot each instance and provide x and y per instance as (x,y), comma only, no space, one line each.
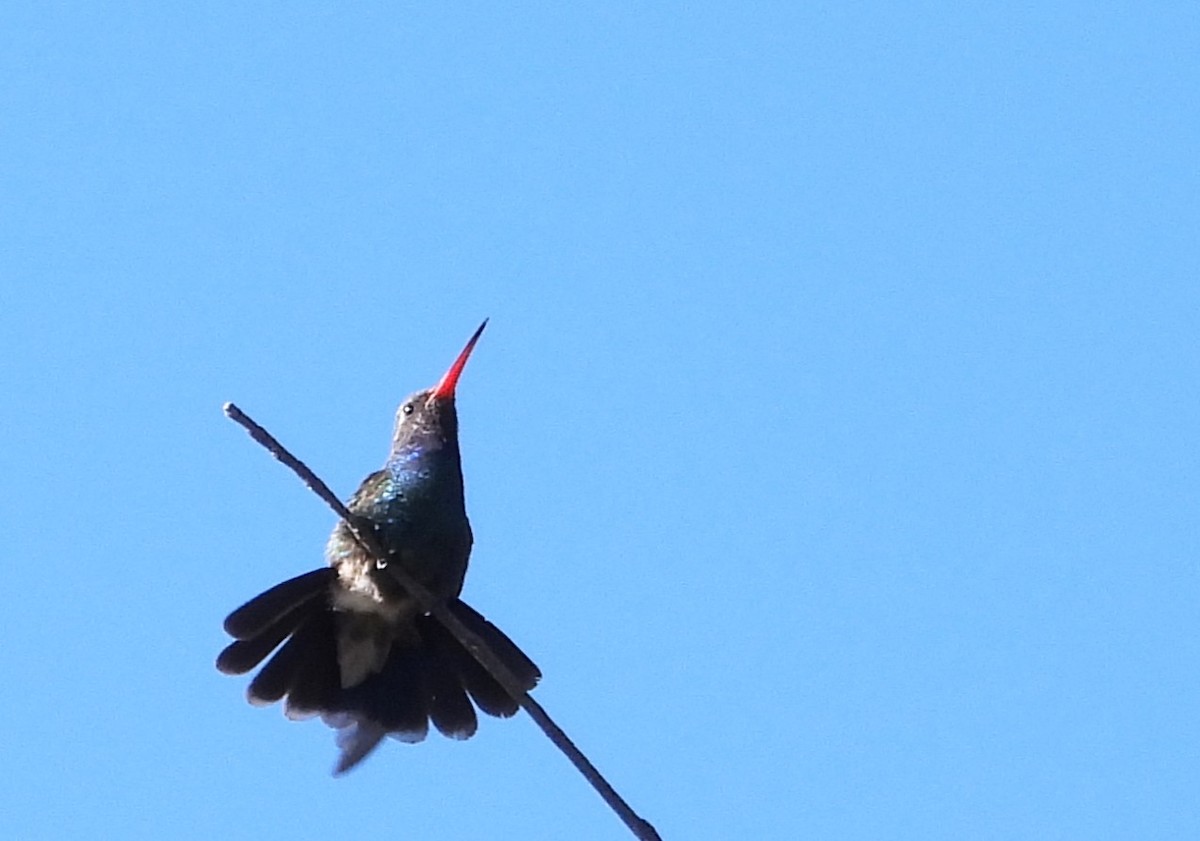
(350,644)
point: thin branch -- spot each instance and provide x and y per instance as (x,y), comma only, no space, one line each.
(365,536)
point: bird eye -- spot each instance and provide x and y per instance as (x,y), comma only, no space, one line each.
(407,409)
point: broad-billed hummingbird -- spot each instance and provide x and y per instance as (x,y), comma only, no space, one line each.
(356,648)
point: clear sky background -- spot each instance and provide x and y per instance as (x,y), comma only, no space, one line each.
(832,448)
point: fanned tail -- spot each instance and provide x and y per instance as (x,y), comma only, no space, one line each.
(427,675)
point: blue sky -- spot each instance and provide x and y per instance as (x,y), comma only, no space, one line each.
(832,447)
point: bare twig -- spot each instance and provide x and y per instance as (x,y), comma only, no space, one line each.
(365,536)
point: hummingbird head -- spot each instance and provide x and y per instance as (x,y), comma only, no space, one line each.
(427,421)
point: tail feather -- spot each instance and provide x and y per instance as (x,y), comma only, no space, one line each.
(484,690)
(524,670)
(356,739)
(395,698)
(315,685)
(449,708)
(427,676)
(242,655)
(275,679)
(487,694)
(264,610)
